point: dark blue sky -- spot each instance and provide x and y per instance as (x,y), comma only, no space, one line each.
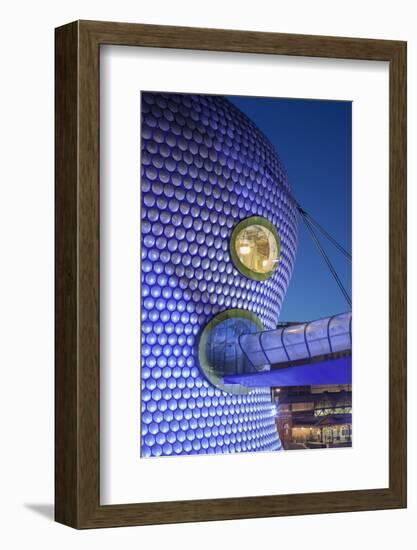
(313,139)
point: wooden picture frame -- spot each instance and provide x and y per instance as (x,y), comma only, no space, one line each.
(77,404)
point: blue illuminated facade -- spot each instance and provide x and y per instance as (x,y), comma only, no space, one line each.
(205,168)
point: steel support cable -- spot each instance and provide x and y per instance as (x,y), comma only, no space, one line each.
(325,233)
(326,259)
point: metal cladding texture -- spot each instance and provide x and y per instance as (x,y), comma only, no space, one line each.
(205,167)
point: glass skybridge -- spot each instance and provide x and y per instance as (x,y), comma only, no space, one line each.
(316,352)
(288,345)
(313,353)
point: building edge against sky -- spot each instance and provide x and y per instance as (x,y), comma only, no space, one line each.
(314,140)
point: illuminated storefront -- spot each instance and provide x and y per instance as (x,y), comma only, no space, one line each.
(314,416)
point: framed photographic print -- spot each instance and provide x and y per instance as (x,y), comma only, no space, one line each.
(230,274)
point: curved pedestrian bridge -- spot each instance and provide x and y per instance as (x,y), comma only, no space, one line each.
(296,354)
(317,352)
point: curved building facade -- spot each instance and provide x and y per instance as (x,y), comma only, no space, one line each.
(205,168)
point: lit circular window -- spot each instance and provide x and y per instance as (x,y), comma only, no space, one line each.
(255,248)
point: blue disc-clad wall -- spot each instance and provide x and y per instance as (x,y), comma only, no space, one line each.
(204,167)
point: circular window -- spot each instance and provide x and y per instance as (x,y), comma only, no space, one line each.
(219,351)
(255,248)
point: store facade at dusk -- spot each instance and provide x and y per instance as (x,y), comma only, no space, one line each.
(314,416)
